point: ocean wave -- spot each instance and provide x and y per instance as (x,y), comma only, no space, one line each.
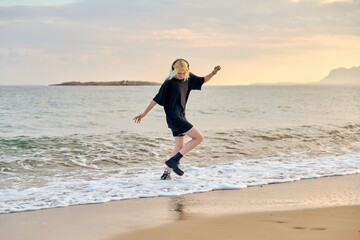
(84,187)
(55,167)
(23,153)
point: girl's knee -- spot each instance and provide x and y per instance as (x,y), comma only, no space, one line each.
(195,135)
(200,138)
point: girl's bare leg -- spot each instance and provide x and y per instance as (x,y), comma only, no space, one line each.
(179,144)
(196,139)
(173,162)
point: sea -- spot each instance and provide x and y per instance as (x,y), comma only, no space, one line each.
(71,145)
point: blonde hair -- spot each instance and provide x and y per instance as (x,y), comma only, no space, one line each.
(180,66)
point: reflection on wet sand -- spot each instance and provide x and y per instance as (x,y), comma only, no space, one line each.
(177,206)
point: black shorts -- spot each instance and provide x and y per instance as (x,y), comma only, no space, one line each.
(179,132)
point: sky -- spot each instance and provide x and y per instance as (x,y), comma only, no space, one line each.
(259,41)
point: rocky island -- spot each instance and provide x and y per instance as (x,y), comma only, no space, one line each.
(113,83)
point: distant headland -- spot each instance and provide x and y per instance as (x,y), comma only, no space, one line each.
(338,76)
(342,76)
(114,83)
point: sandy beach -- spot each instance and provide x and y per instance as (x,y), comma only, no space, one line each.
(320,223)
(326,208)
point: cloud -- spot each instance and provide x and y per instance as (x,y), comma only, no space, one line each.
(116,36)
(335,1)
(324,1)
(8,3)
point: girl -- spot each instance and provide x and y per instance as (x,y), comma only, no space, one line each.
(173,95)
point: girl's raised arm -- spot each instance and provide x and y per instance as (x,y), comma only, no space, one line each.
(210,75)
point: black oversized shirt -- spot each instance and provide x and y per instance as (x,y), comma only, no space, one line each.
(173,96)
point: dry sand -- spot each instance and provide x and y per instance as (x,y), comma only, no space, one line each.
(326,208)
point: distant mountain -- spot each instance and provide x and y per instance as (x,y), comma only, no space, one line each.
(342,76)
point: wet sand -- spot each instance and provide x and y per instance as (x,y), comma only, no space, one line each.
(336,223)
(326,208)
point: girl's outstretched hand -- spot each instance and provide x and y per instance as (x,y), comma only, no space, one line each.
(216,69)
(138,118)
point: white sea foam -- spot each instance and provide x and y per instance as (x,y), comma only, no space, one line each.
(65,189)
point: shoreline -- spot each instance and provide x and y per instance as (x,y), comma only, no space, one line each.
(112,219)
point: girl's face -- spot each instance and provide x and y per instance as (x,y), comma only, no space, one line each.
(180,76)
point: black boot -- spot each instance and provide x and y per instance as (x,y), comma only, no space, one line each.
(166,175)
(174,163)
